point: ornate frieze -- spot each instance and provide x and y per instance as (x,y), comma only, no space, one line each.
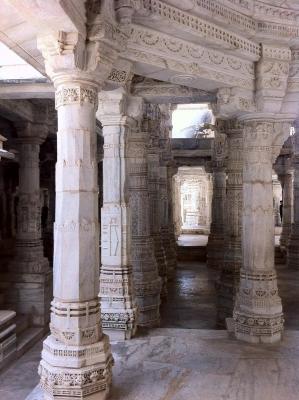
(189,59)
(204,29)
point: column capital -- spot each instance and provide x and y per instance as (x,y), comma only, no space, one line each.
(31,133)
(69,58)
(118,107)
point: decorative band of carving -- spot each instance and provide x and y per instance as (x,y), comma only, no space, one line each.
(75,309)
(258,325)
(75,95)
(258,276)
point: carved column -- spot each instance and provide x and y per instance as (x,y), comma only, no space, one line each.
(228,283)
(293,246)
(29,270)
(119,313)
(167,233)
(217,233)
(147,282)
(152,121)
(76,358)
(287,210)
(258,311)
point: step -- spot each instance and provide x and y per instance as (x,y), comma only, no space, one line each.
(27,339)
(22,322)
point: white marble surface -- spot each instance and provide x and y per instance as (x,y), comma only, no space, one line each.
(175,364)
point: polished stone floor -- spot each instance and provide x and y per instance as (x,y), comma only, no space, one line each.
(176,364)
(187,358)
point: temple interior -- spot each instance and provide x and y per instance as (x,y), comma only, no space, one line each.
(149,200)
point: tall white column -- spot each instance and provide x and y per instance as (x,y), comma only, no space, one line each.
(229,278)
(76,358)
(30,274)
(258,311)
(147,283)
(119,312)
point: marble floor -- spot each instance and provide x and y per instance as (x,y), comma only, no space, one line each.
(176,364)
(187,358)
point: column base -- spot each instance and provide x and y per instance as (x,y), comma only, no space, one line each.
(75,372)
(258,328)
(119,324)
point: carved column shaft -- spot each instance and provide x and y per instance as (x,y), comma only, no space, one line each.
(232,260)
(152,122)
(293,245)
(287,209)
(167,234)
(116,280)
(217,233)
(76,358)
(216,236)
(147,283)
(258,310)
(29,269)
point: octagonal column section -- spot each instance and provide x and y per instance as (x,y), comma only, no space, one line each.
(258,311)
(30,275)
(152,120)
(228,283)
(147,283)
(76,358)
(119,312)
(217,231)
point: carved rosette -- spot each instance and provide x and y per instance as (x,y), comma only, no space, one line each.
(228,283)
(258,311)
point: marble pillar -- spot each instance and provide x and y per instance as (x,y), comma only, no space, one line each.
(147,283)
(228,284)
(287,210)
(293,245)
(152,121)
(216,237)
(76,357)
(258,310)
(217,229)
(119,312)
(165,191)
(30,275)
